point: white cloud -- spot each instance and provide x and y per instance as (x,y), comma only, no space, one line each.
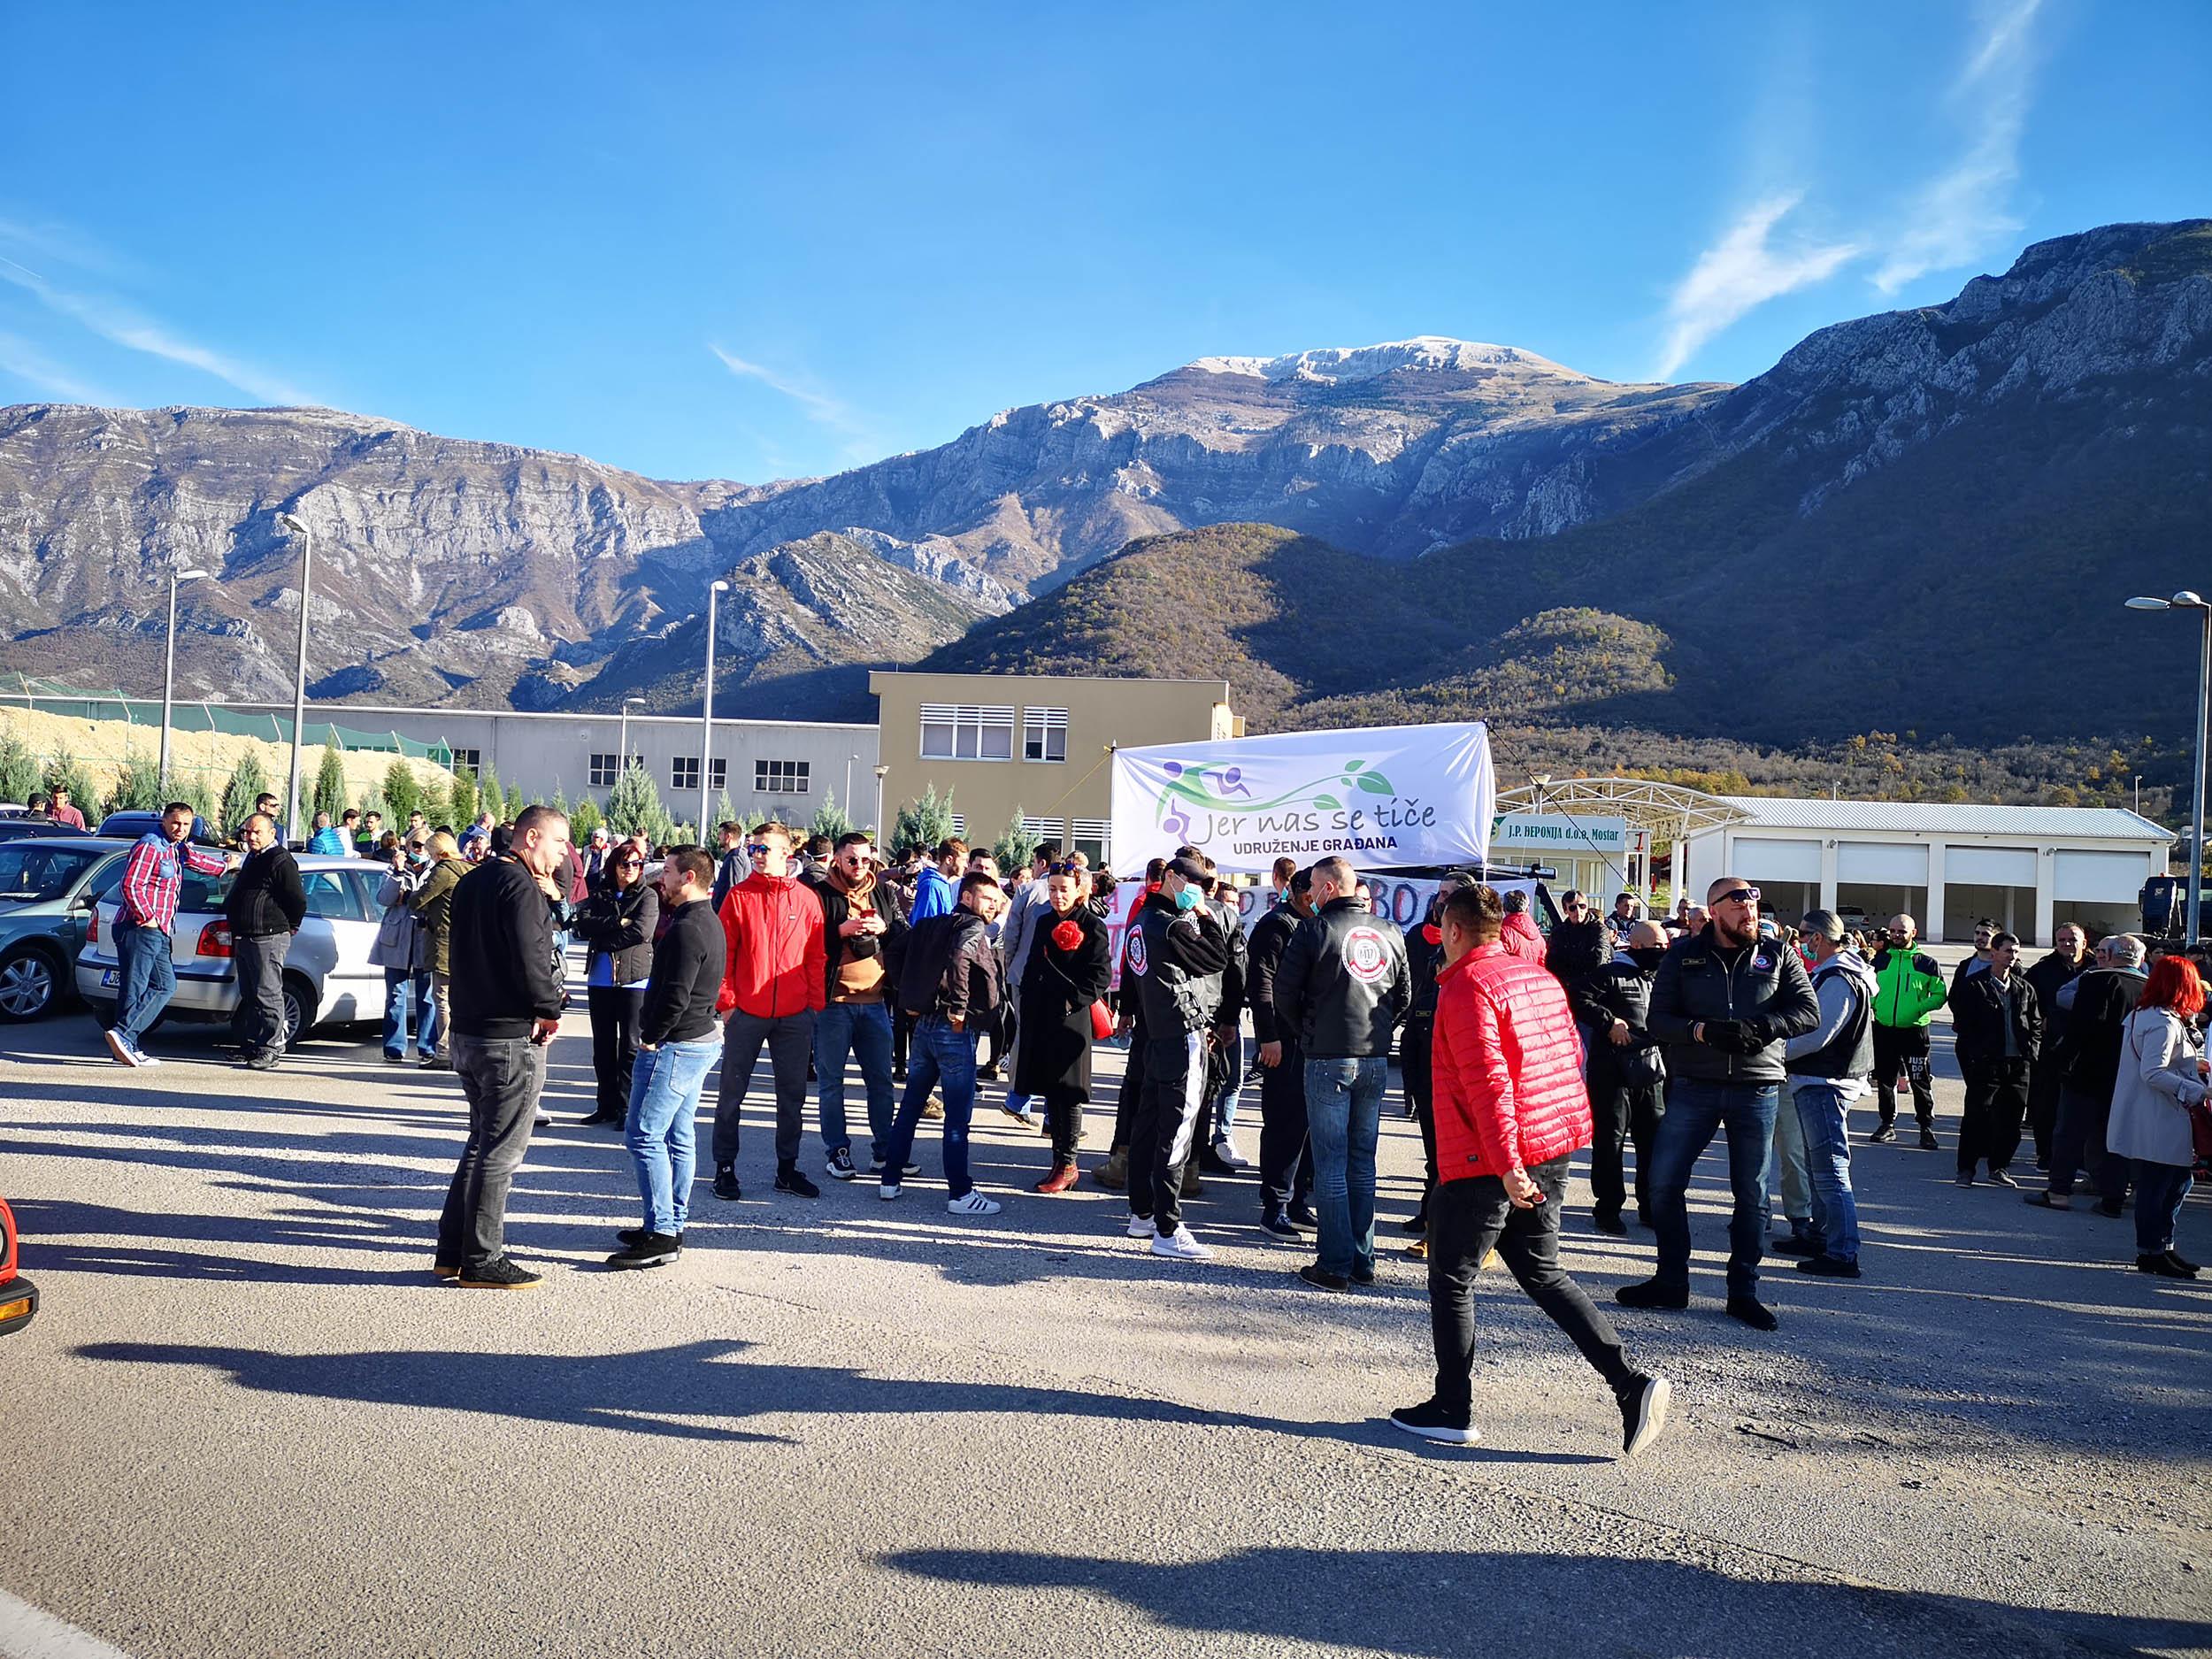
(120,324)
(27,363)
(1964,211)
(1743,270)
(825,411)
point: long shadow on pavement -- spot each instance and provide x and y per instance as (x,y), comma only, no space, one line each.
(1434,1604)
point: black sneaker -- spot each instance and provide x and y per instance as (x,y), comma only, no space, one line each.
(1753,1312)
(1826,1266)
(839,1165)
(1275,1225)
(789,1179)
(1883,1136)
(726,1184)
(650,1251)
(1363,1275)
(2003,1177)
(504,1274)
(1928,1141)
(1433,1422)
(1644,1413)
(1302,1215)
(630,1235)
(1321,1279)
(1793,1244)
(1210,1163)
(1416,1223)
(1609,1221)
(598,1119)
(1650,1293)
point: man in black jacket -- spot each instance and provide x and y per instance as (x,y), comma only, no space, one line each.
(1613,1009)
(1724,1003)
(1171,953)
(1997,1028)
(2067,961)
(265,908)
(951,983)
(507,996)
(678,1044)
(1343,986)
(1286,1167)
(2086,1058)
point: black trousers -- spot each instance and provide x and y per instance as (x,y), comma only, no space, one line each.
(614,1016)
(2043,1107)
(1064,1118)
(1286,1164)
(1996,1100)
(902,1033)
(2077,1145)
(1414,1057)
(1166,1121)
(1131,1089)
(1906,1046)
(1467,1218)
(1625,1115)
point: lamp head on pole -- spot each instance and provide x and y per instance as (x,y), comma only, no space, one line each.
(186,576)
(719,587)
(287,521)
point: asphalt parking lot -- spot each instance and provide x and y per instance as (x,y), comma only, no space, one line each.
(247,1421)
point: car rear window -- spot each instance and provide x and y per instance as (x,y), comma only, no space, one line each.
(330,895)
(33,870)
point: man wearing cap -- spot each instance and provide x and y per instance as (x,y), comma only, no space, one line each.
(1827,1069)
(1724,1003)
(1171,954)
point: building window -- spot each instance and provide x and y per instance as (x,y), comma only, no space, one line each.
(967,730)
(783,777)
(469,760)
(605,769)
(1045,829)
(683,772)
(959,823)
(1044,733)
(717,775)
(1092,837)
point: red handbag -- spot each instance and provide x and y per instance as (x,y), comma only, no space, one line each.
(1102,1021)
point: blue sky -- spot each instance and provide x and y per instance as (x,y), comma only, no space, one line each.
(749,241)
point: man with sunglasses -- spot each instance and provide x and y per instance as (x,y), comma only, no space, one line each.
(772,990)
(1724,1002)
(864,936)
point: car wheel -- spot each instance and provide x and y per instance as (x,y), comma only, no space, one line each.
(30,984)
(299,1009)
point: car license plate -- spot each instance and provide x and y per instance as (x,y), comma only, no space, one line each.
(109,977)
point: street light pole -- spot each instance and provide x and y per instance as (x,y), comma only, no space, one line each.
(287,521)
(706,718)
(622,761)
(2186,600)
(169,669)
(881,774)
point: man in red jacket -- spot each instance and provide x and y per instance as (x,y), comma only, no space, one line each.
(774,982)
(1510,1110)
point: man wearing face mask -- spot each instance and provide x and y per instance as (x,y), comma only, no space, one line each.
(1724,1003)
(1171,956)
(1613,1009)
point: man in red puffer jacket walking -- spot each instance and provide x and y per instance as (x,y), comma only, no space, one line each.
(1510,1110)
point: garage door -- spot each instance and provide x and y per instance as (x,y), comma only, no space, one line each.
(2099,878)
(1764,860)
(1992,866)
(1882,863)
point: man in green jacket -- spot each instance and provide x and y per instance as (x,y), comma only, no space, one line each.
(1908,989)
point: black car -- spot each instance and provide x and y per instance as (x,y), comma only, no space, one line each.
(12,827)
(130,825)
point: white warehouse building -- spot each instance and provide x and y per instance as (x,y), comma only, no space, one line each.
(2028,868)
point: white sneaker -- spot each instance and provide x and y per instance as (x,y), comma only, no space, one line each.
(1226,1149)
(139,1056)
(1182,1244)
(125,1054)
(543,1118)
(887,1191)
(971,1203)
(1141,1227)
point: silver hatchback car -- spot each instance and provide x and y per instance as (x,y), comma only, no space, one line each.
(328,979)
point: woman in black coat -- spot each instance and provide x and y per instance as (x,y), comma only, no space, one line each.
(617,923)
(1068,972)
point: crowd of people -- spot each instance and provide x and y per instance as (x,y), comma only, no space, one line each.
(1640,1039)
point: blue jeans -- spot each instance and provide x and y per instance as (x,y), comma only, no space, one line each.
(665,1084)
(862,1029)
(1825,1118)
(1231,1091)
(1344,1118)
(939,1057)
(409,1005)
(1696,1111)
(147,978)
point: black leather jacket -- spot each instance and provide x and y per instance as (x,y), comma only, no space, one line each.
(1344,983)
(621,923)
(1763,984)
(1271,937)
(951,968)
(1980,1012)
(1172,954)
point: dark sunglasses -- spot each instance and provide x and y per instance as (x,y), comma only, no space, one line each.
(629,864)
(758,849)
(1740,895)
(1063,870)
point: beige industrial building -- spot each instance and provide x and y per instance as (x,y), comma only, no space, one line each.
(1034,747)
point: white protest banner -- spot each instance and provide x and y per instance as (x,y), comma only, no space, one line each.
(1390,797)
(1399,899)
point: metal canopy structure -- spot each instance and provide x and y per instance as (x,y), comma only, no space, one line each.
(1655,809)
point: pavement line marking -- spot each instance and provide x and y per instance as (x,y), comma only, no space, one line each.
(27,1633)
